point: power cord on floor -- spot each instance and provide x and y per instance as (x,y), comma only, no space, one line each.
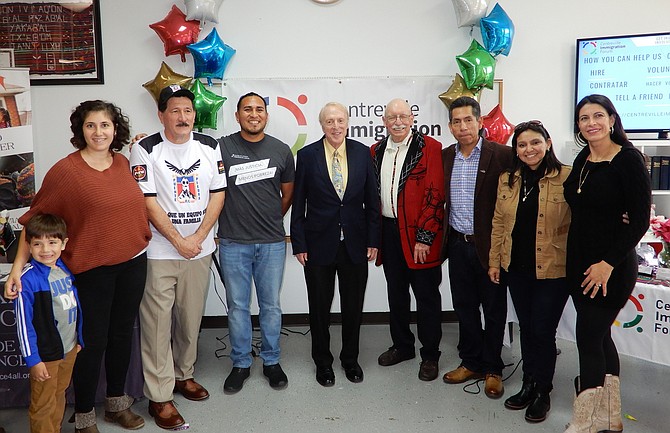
(256,342)
(476,383)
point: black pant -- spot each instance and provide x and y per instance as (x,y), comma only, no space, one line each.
(598,355)
(539,305)
(352,278)
(425,284)
(479,348)
(110,298)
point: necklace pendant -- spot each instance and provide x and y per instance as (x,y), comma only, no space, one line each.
(523,199)
(579,190)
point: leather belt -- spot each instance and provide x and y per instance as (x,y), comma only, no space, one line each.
(462,236)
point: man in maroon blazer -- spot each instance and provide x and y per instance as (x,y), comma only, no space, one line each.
(411,188)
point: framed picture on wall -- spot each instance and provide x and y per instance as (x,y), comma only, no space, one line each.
(59,41)
(489,98)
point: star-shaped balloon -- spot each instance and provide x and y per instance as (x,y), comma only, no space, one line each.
(456,90)
(496,126)
(203,10)
(210,57)
(176,32)
(164,78)
(207,104)
(469,12)
(477,66)
(497,31)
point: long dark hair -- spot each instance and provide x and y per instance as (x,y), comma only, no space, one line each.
(550,161)
(618,135)
(120,121)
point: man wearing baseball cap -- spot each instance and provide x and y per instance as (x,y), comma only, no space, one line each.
(182,177)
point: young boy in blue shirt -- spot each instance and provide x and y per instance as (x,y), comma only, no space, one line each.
(48,320)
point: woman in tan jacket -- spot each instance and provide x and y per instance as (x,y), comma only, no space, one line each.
(528,241)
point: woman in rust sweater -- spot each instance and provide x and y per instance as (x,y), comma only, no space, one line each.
(94,191)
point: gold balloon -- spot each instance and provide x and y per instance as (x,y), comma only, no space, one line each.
(456,90)
(165,77)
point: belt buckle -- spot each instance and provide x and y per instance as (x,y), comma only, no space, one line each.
(468,238)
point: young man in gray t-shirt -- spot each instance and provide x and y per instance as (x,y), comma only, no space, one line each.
(252,244)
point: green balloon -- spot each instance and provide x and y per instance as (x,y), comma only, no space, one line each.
(207,104)
(477,67)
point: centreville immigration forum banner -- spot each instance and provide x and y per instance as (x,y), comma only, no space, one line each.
(642,328)
(294,105)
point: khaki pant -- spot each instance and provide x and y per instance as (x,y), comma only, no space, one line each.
(47,399)
(170,316)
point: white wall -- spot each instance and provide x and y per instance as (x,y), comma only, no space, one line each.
(299,38)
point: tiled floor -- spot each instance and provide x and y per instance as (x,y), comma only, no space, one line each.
(390,399)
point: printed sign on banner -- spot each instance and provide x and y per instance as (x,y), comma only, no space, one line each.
(294,105)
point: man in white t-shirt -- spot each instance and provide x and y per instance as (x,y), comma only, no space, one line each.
(183,180)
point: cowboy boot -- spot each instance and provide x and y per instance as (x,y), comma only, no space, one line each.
(583,411)
(608,413)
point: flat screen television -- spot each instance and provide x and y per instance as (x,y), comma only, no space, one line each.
(634,72)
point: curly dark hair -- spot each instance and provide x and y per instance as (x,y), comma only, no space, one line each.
(120,121)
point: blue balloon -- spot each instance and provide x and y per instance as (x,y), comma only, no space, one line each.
(497,31)
(210,57)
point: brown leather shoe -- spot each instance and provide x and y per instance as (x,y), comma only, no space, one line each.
(460,375)
(191,389)
(494,386)
(166,415)
(428,370)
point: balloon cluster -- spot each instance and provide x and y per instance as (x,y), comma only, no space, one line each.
(477,64)
(179,32)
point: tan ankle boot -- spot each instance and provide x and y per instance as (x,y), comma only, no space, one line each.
(85,422)
(583,411)
(117,410)
(608,412)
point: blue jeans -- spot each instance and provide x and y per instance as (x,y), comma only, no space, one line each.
(265,263)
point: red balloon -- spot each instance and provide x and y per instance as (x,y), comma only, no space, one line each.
(176,32)
(496,126)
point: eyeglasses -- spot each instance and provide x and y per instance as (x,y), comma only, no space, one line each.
(392,118)
(525,125)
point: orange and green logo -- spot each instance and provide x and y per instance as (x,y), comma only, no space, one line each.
(638,317)
(295,110)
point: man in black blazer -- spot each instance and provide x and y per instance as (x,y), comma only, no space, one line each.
(335,229)
(471,170)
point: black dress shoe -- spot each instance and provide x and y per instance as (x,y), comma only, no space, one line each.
(276,376)
(394,356)
(235,380)
(325,376)
(354,372)
(428,370)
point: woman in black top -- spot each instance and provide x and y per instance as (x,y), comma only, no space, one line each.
(608,179)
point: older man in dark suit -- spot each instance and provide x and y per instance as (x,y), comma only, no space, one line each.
(471,170)
(335,230)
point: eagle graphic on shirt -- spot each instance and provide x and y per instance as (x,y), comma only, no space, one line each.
(185,181)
